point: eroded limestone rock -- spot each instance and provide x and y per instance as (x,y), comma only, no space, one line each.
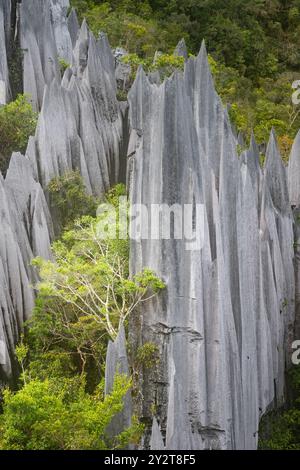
(224,324)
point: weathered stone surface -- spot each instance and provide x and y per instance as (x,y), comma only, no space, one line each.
(81,122)
(181,50)
(26,232)
(225,322)
(73,26)
(294,173)
(80,127)
(5,11)
(117,363)
(222,326)
(45,39)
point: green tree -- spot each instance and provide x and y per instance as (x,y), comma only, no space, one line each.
(58,414)
(280,429)
(69,199)
(17,123)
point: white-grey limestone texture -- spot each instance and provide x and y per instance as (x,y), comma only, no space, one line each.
(225,322)
(5,12)
(25,232)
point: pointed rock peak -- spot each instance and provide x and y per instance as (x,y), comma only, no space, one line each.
(141,85)
(253,144)
(295,152)
(19,165)
(203,56)
(203,64)
(84,29)
(141,76)
(181,49)
(92,43)
(276,176)
(73,26)
(103,39)
(120,342)
(156,441)
(294,173)
(106,54)
(272,152)
(73,17)
(80,51)
(203,49)
(252,155)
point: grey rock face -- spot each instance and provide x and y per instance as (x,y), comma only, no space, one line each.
(44,39)
(81,123)
(26,232)
(117,363)
(80,127)
(5,10)
(225,321)
(156,441)
(181,50)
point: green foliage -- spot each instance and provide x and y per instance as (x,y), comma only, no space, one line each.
(85,295)
(17,123)
(261,108)
(58,414)
(130,24)
(90,275)
(280,430)
(63,64)
(69,199)
(259,38)
(147,356)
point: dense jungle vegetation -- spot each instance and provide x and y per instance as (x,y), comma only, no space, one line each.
(84,297)
(254,47)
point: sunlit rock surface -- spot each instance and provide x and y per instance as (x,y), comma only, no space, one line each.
(80,127)
(225,322)
(25,232)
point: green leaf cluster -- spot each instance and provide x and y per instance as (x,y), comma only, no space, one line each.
(58,414)
(280,430)
(17,123)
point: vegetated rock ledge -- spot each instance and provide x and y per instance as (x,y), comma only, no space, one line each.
(228,313)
